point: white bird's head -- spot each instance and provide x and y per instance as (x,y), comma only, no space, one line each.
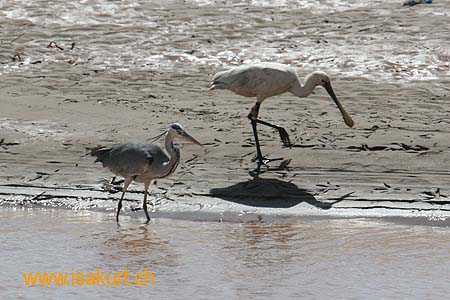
(175,130)
(322,79)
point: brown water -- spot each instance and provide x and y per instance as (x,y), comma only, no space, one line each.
(315,259)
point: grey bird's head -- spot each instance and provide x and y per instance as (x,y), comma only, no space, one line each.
(175,130)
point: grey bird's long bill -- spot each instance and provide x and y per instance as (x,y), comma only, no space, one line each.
(190,138)
(347,119)
(156,137)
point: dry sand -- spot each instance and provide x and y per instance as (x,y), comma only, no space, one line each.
(396,156)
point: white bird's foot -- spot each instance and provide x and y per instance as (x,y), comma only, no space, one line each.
(264,161)
(284,137)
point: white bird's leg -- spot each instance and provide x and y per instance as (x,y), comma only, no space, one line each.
(258,149)
(144,205)
(253,116)
(283,133)
(126,183)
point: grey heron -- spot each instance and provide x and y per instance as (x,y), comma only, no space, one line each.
(141,162)
(264,80)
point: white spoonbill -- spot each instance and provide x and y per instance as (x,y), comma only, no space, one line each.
(264,80)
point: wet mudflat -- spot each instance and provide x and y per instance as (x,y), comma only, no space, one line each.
(103,73)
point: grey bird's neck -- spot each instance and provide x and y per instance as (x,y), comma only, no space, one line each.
(174,153)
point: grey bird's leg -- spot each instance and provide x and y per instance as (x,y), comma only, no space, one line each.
(115,182)
(126,183)
(144,205)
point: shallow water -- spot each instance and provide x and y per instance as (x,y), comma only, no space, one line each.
(315,259)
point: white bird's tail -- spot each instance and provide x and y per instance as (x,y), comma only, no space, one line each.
(216,85)
(219,82)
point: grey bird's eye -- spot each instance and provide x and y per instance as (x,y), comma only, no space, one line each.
(176,127)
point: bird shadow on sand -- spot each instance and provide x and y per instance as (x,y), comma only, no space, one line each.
(273,193)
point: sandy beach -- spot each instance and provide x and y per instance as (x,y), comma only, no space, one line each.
(389,70)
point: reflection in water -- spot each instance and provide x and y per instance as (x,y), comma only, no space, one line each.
(138,246)
(316,259)
(262,244)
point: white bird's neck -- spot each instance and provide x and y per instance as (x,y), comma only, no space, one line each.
(174,152)
(305,90)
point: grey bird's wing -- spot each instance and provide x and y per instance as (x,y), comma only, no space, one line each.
(130,159)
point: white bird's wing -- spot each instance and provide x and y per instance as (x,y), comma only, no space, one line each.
(259,80)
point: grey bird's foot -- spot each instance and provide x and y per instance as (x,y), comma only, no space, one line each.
(144,206)
(148,218)
(119,207)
